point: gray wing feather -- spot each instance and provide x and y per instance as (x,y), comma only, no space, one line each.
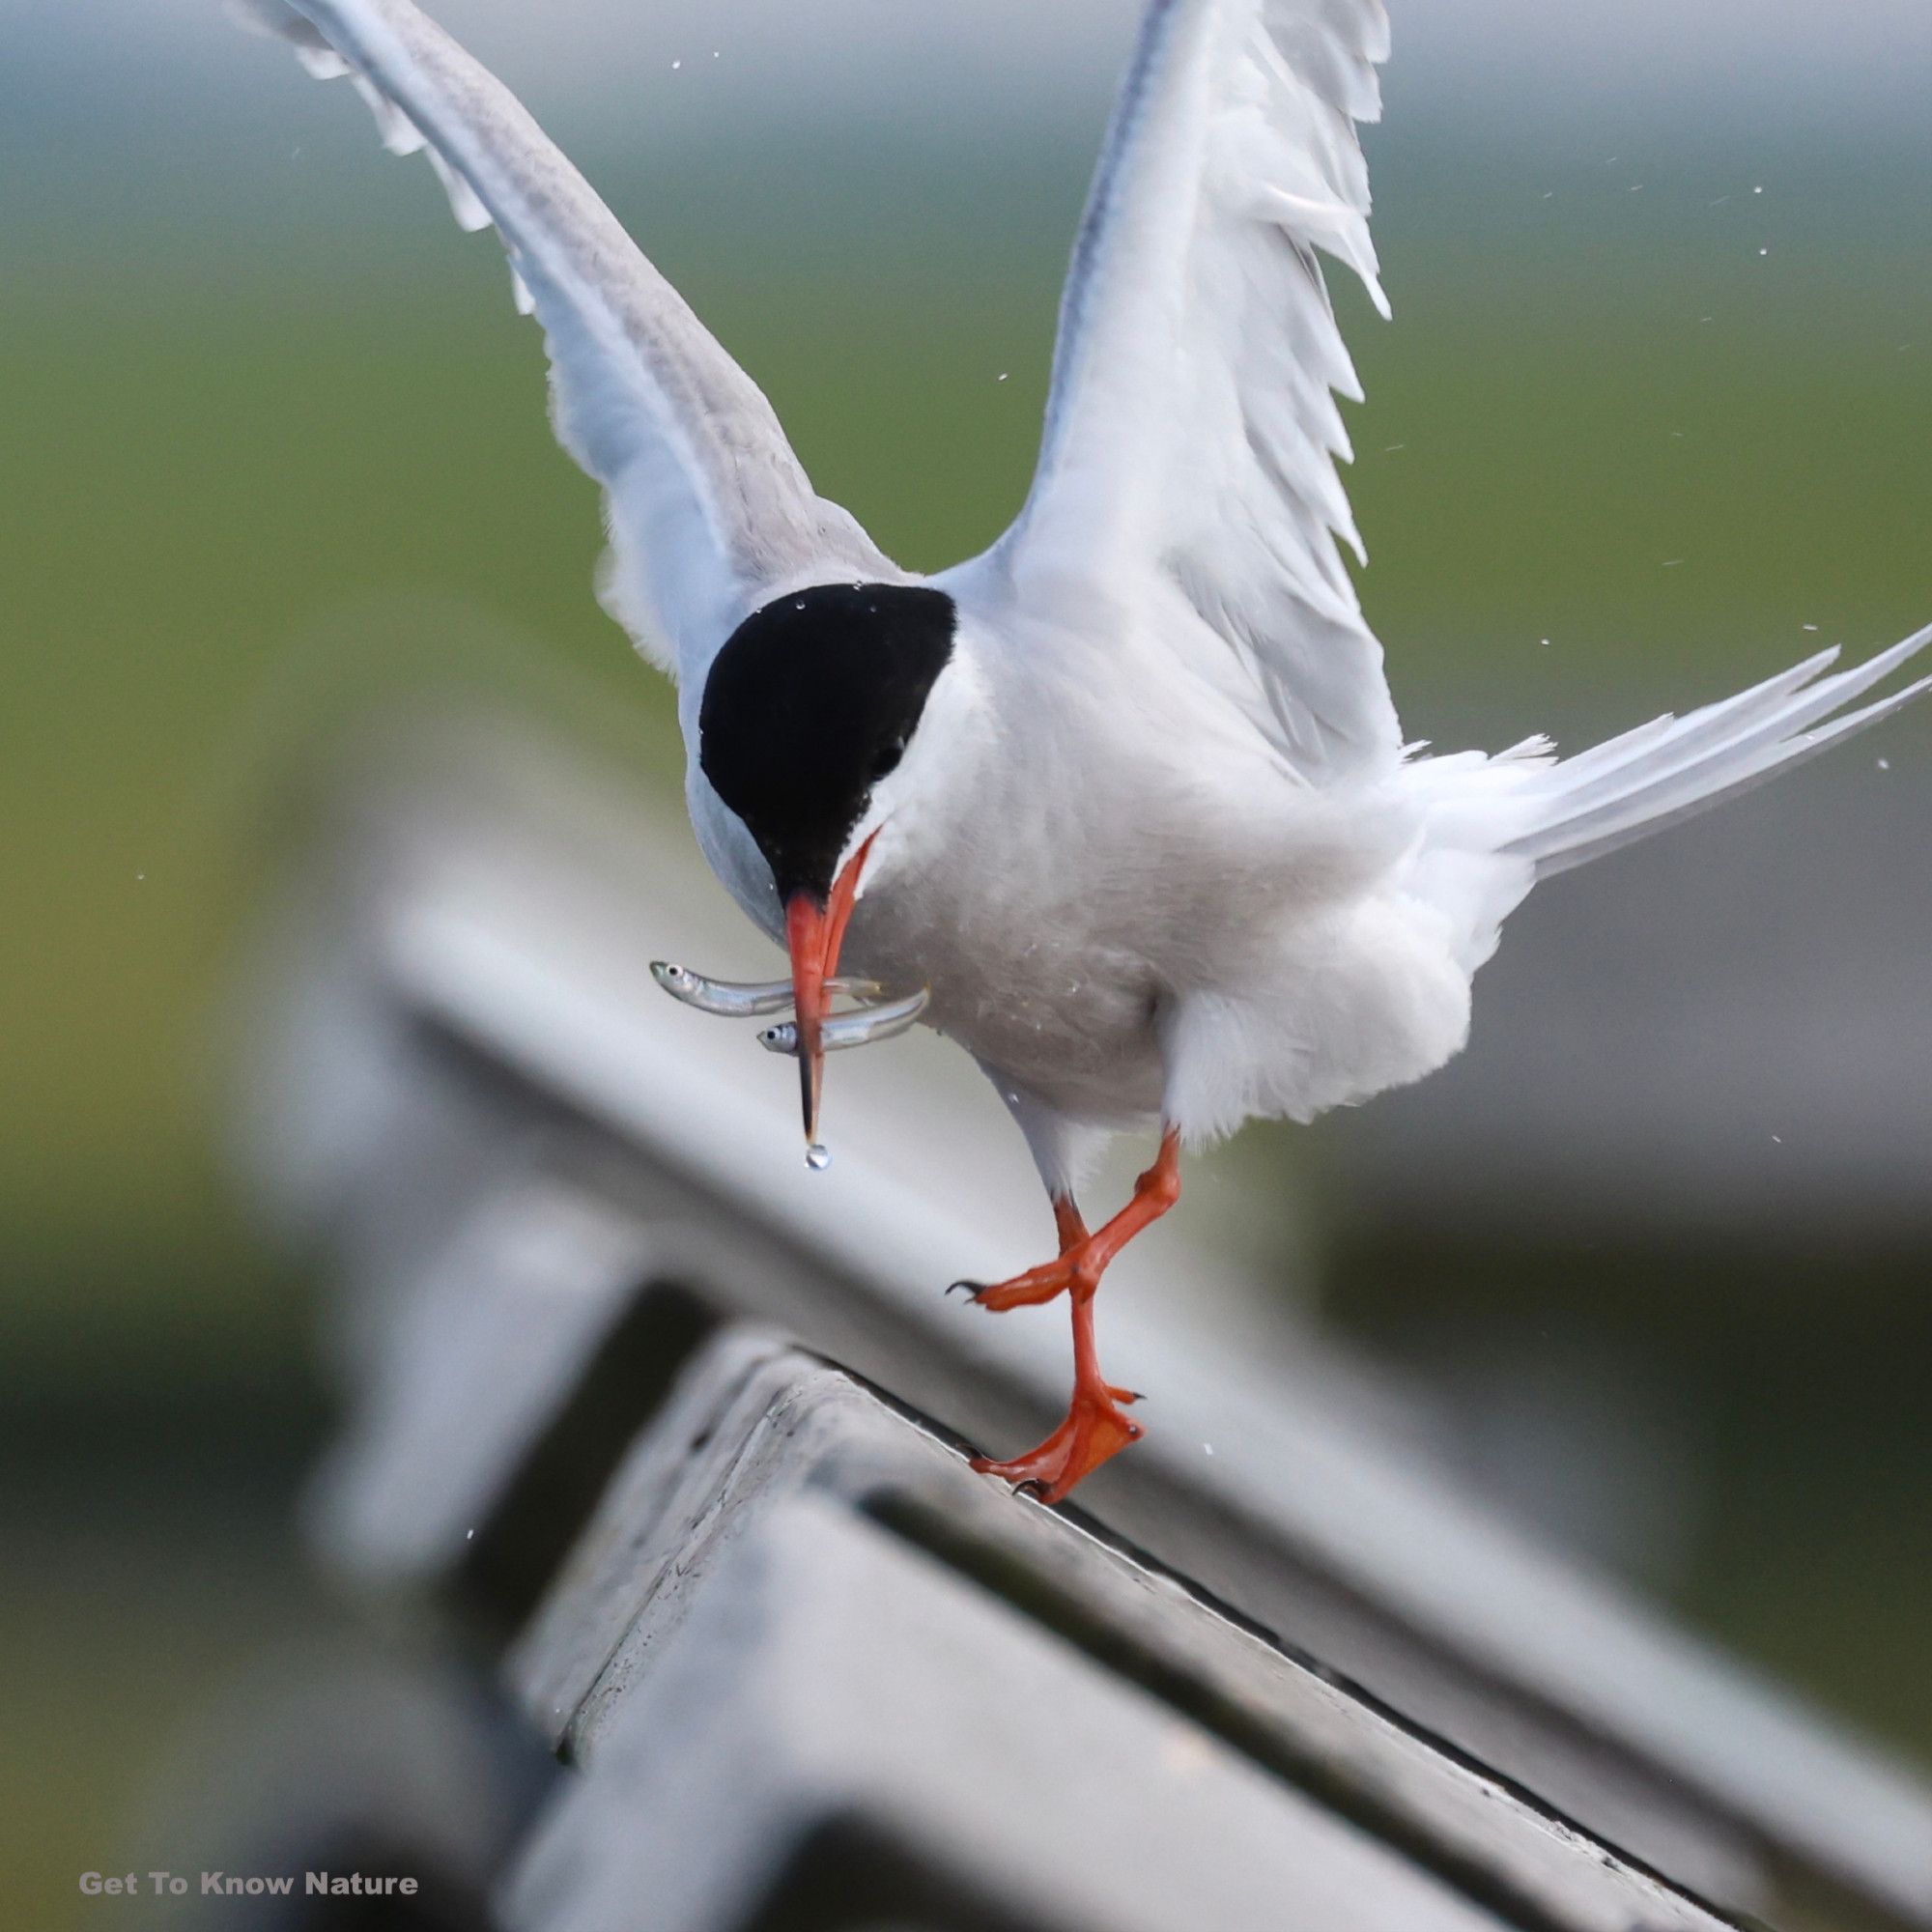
(711,514)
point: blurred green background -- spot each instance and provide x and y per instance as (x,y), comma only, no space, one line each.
(1658,391)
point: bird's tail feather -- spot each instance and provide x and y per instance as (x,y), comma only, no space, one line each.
(1627,787)
(1495,825)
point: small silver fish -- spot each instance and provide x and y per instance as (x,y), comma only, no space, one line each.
(864,1028)
(744,1000)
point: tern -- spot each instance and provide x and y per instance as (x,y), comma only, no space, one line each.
(1121,806)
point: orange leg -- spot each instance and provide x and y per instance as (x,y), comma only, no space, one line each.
(1095,1426)
(1083,1257)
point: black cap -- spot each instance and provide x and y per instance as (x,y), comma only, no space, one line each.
(810,702)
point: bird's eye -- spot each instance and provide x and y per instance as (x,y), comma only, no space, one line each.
(886,760)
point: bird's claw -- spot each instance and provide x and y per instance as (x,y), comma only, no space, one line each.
(1037,1287)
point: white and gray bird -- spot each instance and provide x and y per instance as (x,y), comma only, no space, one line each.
(1120,806)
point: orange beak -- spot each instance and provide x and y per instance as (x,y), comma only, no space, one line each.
(814,934)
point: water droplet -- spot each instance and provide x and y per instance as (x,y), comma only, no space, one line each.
(817,1157)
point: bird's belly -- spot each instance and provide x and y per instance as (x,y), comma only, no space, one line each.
(1065,1013)
(1313,1007)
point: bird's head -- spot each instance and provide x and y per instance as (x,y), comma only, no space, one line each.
(809,731)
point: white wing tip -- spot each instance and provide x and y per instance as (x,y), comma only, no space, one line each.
(471,216)
(399,134)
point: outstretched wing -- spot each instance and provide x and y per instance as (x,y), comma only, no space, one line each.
(711,514)
(1192,430)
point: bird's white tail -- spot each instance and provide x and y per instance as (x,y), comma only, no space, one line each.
(1494,825)
(1672,768)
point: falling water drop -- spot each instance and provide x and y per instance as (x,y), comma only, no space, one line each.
(817,1157)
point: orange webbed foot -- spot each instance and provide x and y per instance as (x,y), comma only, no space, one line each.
(1094,1430)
